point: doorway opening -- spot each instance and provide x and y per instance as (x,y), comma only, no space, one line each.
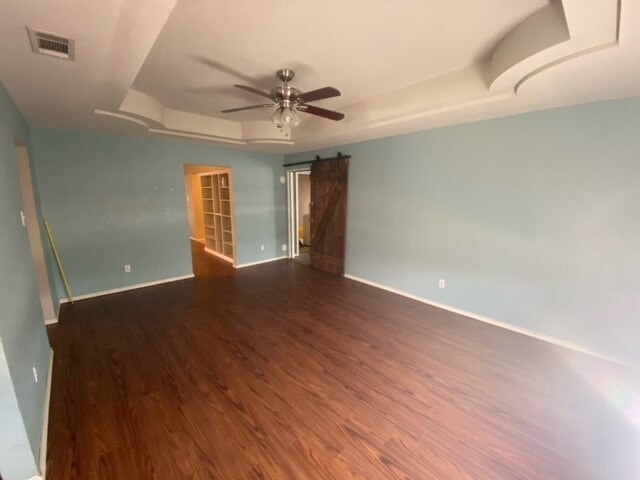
(209,190)
(300,215)
(318,214)
(31,220)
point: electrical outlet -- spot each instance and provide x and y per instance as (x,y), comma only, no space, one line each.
(35,373)
(441,283)
(262,248)
(127,269)
(284,247)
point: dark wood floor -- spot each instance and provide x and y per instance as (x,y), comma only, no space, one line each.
(281,372)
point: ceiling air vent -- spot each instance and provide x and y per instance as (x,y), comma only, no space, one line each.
(51,44)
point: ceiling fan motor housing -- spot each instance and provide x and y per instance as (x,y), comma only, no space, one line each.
(285,74)
(288,100)
(285,95)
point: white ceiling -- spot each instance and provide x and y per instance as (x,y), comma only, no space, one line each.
(59,93)
(167,67)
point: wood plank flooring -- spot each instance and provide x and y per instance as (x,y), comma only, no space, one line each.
(281,372)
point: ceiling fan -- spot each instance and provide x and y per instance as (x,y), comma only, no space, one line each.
(289,101)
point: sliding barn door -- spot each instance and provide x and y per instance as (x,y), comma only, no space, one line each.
(329,214)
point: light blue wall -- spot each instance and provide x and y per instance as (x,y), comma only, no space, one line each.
(532,220)
(16,458)
(113,200)
(22,331)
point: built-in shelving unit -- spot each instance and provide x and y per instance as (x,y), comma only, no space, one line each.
(217,206)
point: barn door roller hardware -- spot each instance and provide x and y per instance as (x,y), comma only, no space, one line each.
(318,159)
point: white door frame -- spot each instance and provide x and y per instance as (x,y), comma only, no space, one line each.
(32,223)
(292,209)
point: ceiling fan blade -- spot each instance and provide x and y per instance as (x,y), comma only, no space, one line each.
(251,107)
(321,112)
(254,90)
(319,94)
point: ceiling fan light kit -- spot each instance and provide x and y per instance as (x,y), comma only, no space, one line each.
(289,101)
(285,117)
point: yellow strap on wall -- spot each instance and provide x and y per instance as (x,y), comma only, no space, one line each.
(55,254)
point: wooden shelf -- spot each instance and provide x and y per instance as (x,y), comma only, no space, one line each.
(206,181)
(217,203)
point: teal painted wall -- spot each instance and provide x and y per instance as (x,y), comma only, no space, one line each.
(114,200)
(533,220)
(16,457)
(22,333)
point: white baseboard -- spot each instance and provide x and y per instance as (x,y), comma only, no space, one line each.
(125,289)
(219,255)
(42,461)
(51,321)
(37,477)
(497,323)
(260,261)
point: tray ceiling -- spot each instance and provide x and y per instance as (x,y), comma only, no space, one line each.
(167,67)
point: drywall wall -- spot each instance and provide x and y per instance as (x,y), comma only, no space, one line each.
(114,200)
(35,236)
(304,202)
(22,332)
(194,206)
(532,220)
(16,458)
(198,212)
(191,217)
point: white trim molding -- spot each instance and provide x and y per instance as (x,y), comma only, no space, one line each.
(148,112)
(514,328)
(51,321)
(127,288)
(251,264)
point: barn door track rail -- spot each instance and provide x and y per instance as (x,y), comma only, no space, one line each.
(318,159)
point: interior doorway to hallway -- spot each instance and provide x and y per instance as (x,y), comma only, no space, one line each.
(318,215)
(300,215)
(209,190)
